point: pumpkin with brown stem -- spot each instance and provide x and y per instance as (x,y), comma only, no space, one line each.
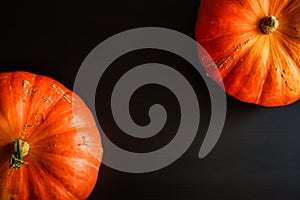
(50,147)
(255,46)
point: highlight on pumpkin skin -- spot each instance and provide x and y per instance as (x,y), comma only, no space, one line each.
(258,52)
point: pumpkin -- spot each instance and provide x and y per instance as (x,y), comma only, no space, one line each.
(50,147)
(255,47)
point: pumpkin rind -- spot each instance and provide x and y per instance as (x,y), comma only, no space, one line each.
(255,67)
(65,146)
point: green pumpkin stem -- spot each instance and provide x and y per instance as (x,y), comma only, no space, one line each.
(19,149)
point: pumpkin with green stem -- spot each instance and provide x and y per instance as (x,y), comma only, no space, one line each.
(50,147)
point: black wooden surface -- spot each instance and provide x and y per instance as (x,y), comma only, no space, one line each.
(257,156)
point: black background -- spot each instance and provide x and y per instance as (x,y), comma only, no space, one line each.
(257,154)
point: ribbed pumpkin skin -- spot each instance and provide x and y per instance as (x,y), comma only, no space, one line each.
(255,67)
(65,146)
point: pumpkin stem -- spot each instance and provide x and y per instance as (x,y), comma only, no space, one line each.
(268,24)
(19,149)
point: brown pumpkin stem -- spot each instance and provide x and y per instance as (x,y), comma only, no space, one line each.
(19,149)
(268,24)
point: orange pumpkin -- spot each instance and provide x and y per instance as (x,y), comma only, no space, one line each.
(50,147)
(255,46)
